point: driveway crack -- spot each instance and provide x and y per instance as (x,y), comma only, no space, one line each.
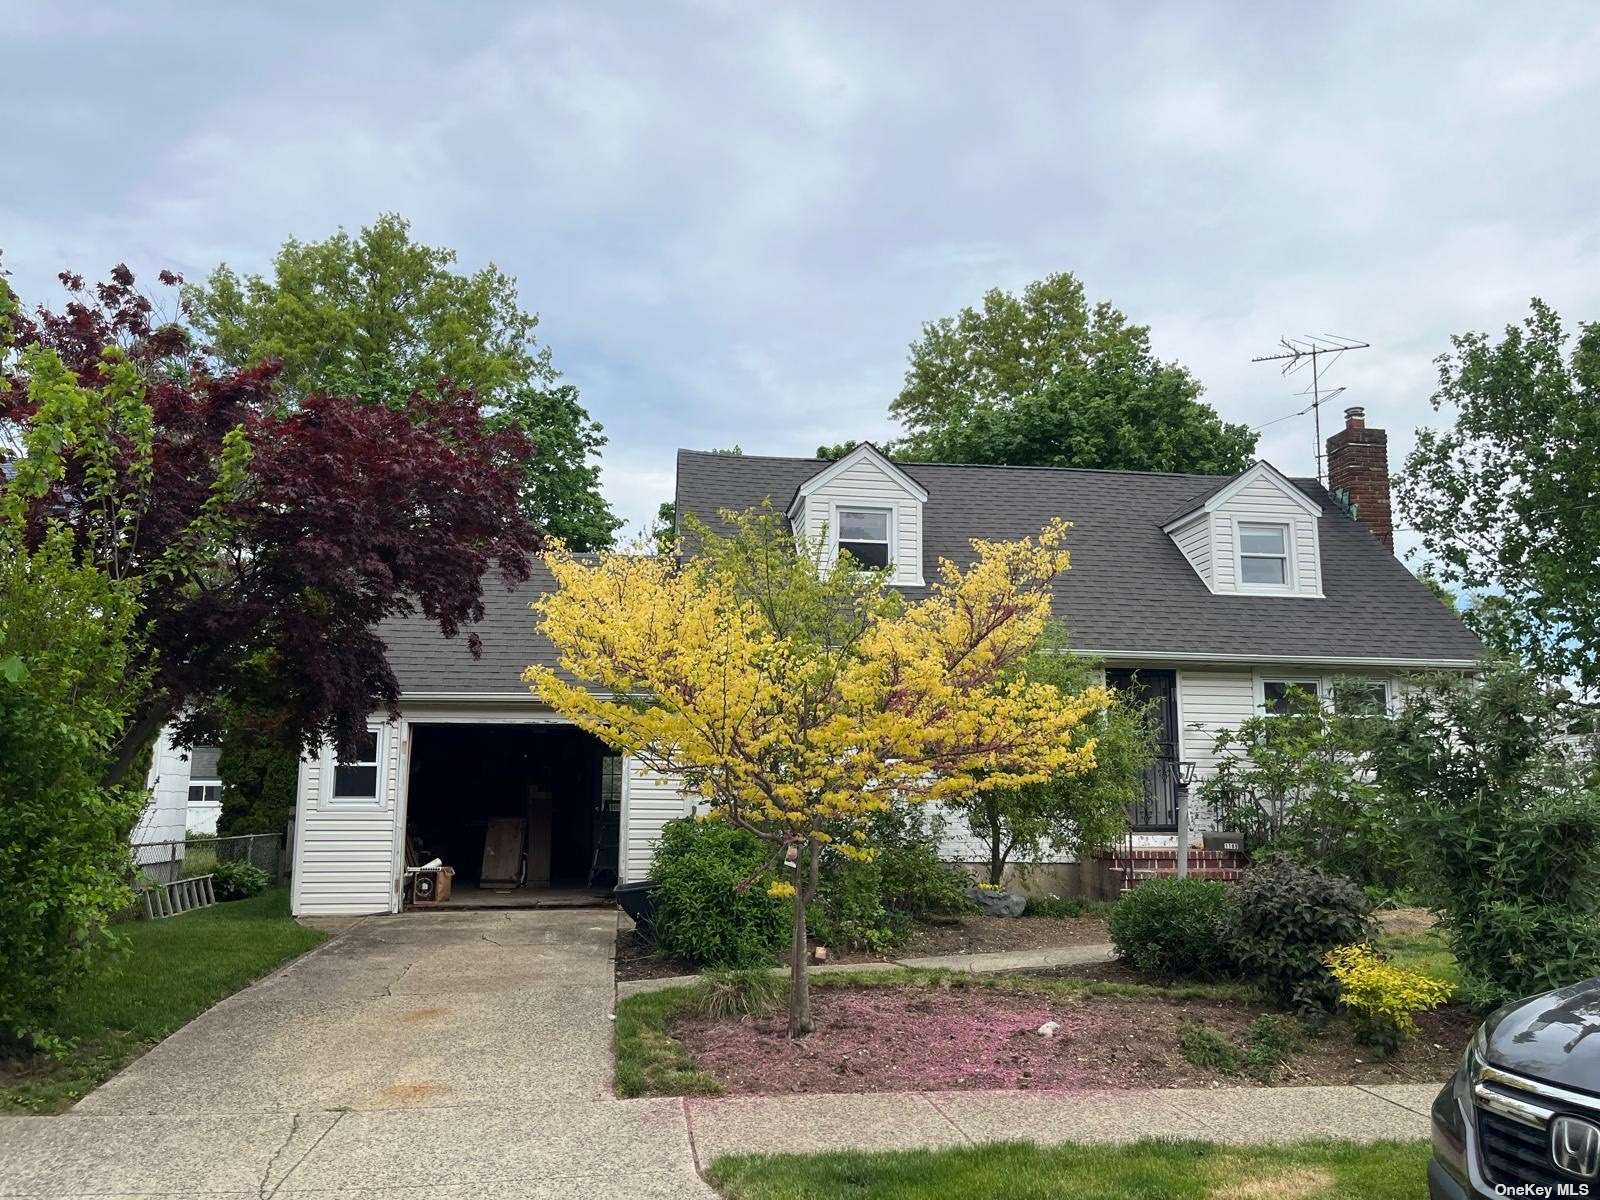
(268,1189)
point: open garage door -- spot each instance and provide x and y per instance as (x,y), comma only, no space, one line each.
(524,814)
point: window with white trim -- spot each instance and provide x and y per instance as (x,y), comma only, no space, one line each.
(1361,696)
(1275,693)
(864,535)
(205,780)
(1263,554)
(356,777)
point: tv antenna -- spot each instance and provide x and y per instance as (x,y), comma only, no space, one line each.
(1319,351)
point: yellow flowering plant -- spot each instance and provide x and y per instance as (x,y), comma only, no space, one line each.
(797,700)
(1384,997)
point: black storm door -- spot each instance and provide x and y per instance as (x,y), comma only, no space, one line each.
(1158,811)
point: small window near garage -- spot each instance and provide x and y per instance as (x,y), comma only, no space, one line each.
(1263,554)
(356,777)
(864,535)
(1275,693)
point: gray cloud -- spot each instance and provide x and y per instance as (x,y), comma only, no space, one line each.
(734,218)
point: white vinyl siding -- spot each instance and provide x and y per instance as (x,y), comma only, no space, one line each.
(165,818)
(1258,500)
(1194,539)
(344,850)
(865,485)
(649,802)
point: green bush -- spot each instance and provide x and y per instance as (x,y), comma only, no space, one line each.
(238,880)
(65,689)
(704,917)
(753,992)
(259,766)
(1282,919)
(873,905)
(1504,825)
(848,912)
(916,882)
(1171,926)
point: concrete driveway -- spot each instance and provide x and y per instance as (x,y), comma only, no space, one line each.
(425,1009)
(431,1054)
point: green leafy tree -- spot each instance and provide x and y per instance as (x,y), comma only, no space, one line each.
(67,681)
(1504,498)
(1045,379)
(1072,811)
(1502,819)
(382,316)
(259,767)
(1295,782)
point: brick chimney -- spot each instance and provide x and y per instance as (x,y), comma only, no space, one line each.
(1358,471)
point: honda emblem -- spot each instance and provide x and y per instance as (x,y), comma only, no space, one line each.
(1575,1146)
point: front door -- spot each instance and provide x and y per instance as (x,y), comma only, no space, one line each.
(1158,811)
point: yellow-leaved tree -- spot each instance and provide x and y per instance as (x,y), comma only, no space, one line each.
(797,701)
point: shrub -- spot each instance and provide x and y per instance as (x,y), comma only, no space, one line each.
(1207,1049)
(1295,783)
(1504,823)
(1171,926)
(1271,1041)
(1063,906)
(1384,997)
(755,992)
(238,880)
(849,912)
(1283,917)
(712,905)
(872,905)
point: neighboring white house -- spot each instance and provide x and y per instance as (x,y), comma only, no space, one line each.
(185,798)
(1212,595)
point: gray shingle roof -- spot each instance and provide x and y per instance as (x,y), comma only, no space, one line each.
(1130,588)
(424,661)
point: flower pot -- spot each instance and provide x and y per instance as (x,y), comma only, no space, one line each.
(638,900)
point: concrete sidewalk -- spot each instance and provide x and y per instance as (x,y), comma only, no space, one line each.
(923,1120)
(1005,960)
(633,1148)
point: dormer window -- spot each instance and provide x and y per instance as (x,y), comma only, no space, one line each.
(864,533)
(1263,554)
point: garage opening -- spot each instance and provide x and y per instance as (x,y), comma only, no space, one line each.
(524,815)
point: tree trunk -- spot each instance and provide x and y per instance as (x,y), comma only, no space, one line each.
(807,870)
(997,852)
(132,750)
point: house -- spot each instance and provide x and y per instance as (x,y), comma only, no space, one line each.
(1212,596)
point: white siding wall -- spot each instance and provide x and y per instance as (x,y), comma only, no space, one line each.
(1194,539)
(650,800)
(866,485)
(1224,557)
(163,819)
(345,853)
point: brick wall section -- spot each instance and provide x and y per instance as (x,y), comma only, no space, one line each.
(1358,464)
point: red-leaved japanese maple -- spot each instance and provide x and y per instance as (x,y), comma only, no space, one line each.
(348,513)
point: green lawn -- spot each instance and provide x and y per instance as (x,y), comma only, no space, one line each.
(1424,952)
(1144,1171)
(169,973)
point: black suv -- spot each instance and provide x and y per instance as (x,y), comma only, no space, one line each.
(1521,1117)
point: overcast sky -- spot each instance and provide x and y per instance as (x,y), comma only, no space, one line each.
(733,218)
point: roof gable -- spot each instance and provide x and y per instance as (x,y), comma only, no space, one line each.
(865,452)
(1225,491)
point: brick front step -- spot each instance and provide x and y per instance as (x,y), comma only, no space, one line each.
(1169,858)
(1225,874)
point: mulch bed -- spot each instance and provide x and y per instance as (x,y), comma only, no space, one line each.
(924,1039)
(636,958)
(990,935)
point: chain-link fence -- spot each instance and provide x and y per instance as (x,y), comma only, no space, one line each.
(163,862)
